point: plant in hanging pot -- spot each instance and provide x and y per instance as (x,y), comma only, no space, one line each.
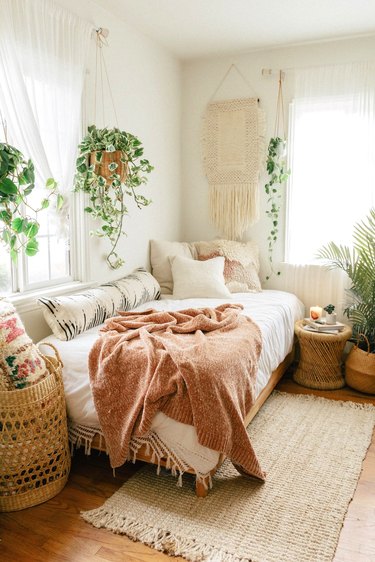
(110,168)
(19,224)
(358,263)
(278,175)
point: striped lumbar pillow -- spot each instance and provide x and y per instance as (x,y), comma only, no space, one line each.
(69,316)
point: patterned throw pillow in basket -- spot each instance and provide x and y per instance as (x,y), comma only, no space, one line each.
(21,364)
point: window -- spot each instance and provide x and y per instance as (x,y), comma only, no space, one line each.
(43,53)
(332,160)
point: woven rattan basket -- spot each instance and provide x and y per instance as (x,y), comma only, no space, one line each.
(34,449)
(360,368)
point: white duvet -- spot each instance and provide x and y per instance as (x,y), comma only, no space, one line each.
(275,312)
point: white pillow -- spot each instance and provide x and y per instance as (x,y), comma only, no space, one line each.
(192,278)
(160,252)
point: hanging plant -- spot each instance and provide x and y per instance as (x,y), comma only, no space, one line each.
(278,173)
(19,229)
(109,169)
(277,170)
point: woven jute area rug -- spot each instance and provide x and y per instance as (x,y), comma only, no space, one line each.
(312,450)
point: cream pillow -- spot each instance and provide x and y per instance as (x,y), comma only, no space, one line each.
(160,252)
(194,279)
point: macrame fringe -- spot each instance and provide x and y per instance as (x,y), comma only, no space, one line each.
(233,208)
(158,539)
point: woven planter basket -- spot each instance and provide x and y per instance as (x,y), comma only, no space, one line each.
(101,168)
(360,368)
(34,448)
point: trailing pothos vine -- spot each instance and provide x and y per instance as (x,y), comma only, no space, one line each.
(19,224)
(109,168)
(278,175)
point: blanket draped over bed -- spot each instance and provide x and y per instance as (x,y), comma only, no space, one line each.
(197,366)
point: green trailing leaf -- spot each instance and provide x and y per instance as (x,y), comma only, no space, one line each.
(17,224)
(31,230)
(59,202)
(8,187)
(51,184)
(31,247)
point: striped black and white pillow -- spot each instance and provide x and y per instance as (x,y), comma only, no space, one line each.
(69,316)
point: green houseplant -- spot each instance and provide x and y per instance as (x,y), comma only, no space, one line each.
(18,218)
(110,167)
(358,263)
(278,174)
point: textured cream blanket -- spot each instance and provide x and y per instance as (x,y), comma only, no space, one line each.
(198,366)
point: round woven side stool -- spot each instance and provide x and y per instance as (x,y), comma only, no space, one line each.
(320,363)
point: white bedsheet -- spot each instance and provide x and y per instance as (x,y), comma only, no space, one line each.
(275,312)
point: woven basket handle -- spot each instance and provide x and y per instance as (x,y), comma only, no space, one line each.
(359,336)
(57,354)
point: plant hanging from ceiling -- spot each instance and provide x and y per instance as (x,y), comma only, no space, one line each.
(278,175)
(110,168)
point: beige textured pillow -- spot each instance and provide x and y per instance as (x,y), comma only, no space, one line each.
(161,250)
(194,279)
(241,263)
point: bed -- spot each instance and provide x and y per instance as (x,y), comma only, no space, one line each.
(170,443)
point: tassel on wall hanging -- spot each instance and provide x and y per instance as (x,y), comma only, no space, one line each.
(233,150)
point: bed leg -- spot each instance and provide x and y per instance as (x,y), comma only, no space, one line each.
(201,488)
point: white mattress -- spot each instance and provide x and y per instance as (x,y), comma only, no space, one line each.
(275,312)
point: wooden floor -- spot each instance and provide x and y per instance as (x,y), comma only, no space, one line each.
(54,531)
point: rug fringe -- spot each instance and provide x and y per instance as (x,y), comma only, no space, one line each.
(158,539)
(311,397)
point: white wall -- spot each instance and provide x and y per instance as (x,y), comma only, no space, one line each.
(200,80)
(145,81)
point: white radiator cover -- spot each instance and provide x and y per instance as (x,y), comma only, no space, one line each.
(313,285)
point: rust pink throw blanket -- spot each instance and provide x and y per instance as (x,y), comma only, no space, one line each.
(197,366)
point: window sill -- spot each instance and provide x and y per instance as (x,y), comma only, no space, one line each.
(27,302)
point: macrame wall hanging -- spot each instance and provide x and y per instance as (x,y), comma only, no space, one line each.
(233,150)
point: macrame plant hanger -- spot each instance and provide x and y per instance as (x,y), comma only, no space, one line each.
(101,72)
(279,118)
(233,148)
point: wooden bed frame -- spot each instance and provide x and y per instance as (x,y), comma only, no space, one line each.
(202,487)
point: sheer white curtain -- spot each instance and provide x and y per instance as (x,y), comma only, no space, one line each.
(332,156)
(43,52)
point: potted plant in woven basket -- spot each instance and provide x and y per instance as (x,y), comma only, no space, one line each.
(358,263)
(110,168)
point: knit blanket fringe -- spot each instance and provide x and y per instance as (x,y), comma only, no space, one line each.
(80,435)
(159,539)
